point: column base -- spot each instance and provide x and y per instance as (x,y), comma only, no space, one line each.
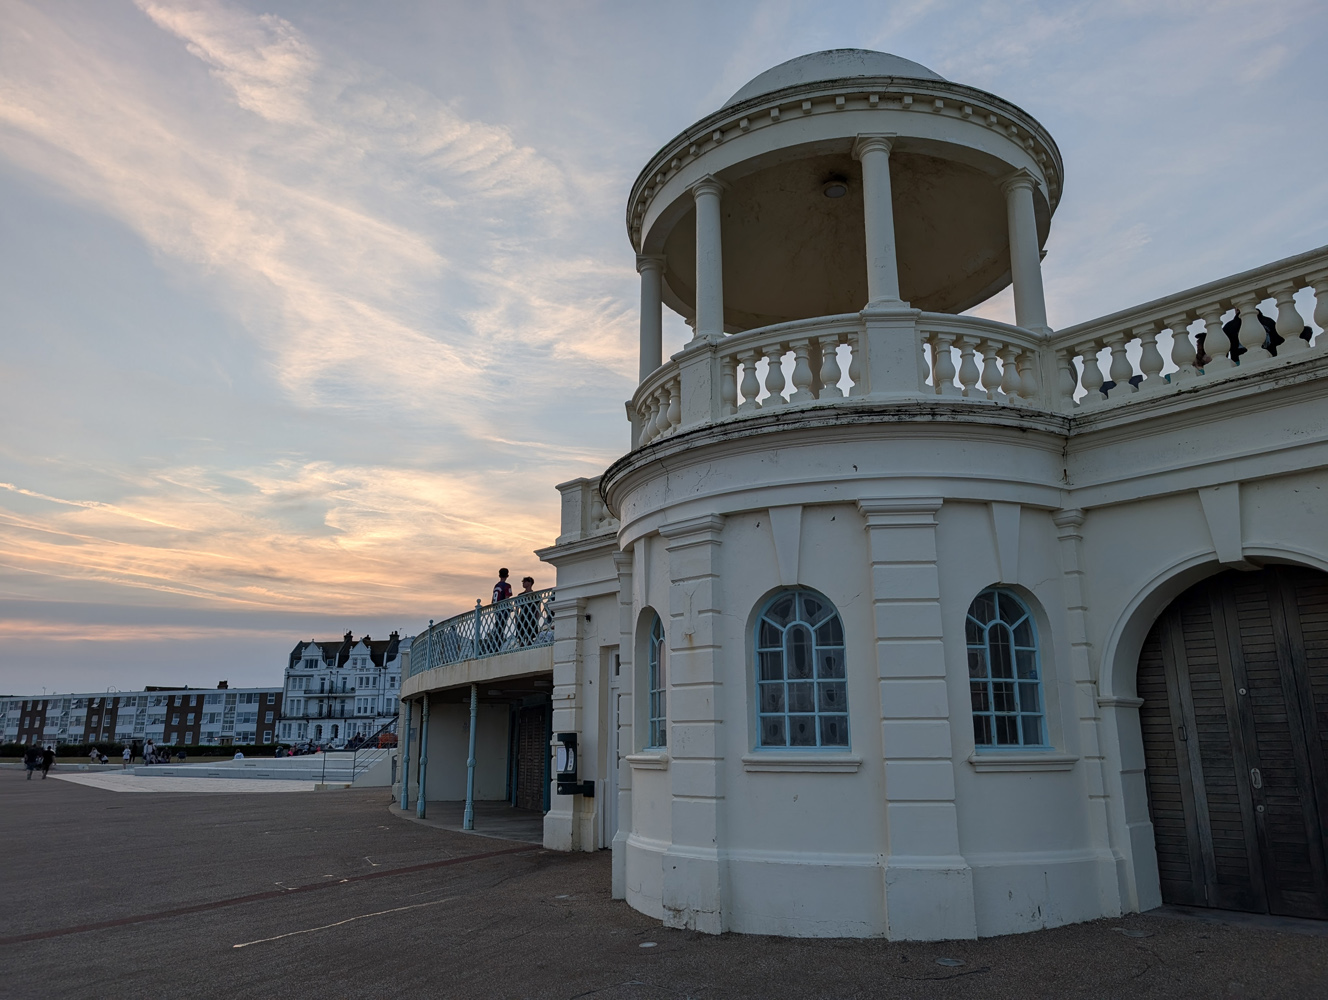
(692,895)
(929,899)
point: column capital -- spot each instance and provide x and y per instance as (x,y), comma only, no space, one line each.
(704,527)
(709,184)
(649,262)
(901,511)
(870,142)
(1069,520)
(1021,178)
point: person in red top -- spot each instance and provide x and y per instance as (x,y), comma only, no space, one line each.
(502,590)
(497,636)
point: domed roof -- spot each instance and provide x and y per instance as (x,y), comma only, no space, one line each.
(832,64)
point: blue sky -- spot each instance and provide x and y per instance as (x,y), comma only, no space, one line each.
(305,307)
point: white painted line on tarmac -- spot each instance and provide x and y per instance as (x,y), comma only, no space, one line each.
(348,920)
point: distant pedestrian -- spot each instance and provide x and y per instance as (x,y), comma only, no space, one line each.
(127,756)
(32,759)
(95,754)
(527,612)
(48,759)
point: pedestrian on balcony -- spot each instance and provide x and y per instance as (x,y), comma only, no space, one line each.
(527,612)
(502,590)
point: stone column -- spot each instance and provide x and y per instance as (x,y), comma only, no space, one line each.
(693,889)
(878,213)
(709,260)
(651,270)
(1030,306)
(565,818)
(928,883)
(622,562)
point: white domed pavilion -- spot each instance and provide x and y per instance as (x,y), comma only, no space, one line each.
(898,621)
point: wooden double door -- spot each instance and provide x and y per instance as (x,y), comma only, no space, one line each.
(1234,680)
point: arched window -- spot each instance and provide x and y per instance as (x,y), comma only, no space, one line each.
(1004,675)
(658,683)
(801,691)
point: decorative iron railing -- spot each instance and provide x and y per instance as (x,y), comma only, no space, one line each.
(519,622)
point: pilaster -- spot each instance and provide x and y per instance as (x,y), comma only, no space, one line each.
(622,562)
(563,821)
(693,889)
(928,883)
(1088,711)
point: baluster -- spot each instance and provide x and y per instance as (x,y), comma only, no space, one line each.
(648,414)
(968,368)
(774,376)
(728,386)
(1289,321)
(751,385)
(943,366)
(1092,378)
(1010,383)
(1121,370)
(1183,355)
(1251,332)
(814,360)
(1319,282)
(661,411)
(991,372)
(1150,358)
(830,373)
(1216,346)
(674,413)
(857,367)
(1029,388)
(1067,380)
(802,374)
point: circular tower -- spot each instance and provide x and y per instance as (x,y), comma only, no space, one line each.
(853,701)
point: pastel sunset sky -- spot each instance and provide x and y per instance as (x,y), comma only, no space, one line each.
(307,305)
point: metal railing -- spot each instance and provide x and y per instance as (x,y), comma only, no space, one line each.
(362,758)
(520,622)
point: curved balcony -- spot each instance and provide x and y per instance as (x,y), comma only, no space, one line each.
(1236,326)
(521,622)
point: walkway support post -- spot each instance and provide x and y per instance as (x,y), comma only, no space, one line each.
(468,820)
(405,760)
(424,754)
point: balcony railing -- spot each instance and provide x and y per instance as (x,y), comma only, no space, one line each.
(519,622)
(1161,346)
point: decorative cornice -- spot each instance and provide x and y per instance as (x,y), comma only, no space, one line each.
(938,97)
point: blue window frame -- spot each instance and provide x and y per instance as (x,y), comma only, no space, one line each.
(801,683)
(658,684)
(1005,677)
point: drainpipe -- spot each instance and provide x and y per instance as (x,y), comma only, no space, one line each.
(468,821)
(405,760)
(424,754)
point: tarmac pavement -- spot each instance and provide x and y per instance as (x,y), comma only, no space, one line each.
(326,894)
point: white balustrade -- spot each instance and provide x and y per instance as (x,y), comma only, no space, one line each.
(815,372)
(1009,359)
(1180,341)
(1137,354)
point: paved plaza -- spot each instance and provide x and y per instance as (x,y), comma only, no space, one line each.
(326,894)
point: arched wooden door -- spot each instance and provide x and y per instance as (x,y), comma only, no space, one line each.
(1234,678)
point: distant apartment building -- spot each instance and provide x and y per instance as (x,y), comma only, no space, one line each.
(169,716)
(343,688)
